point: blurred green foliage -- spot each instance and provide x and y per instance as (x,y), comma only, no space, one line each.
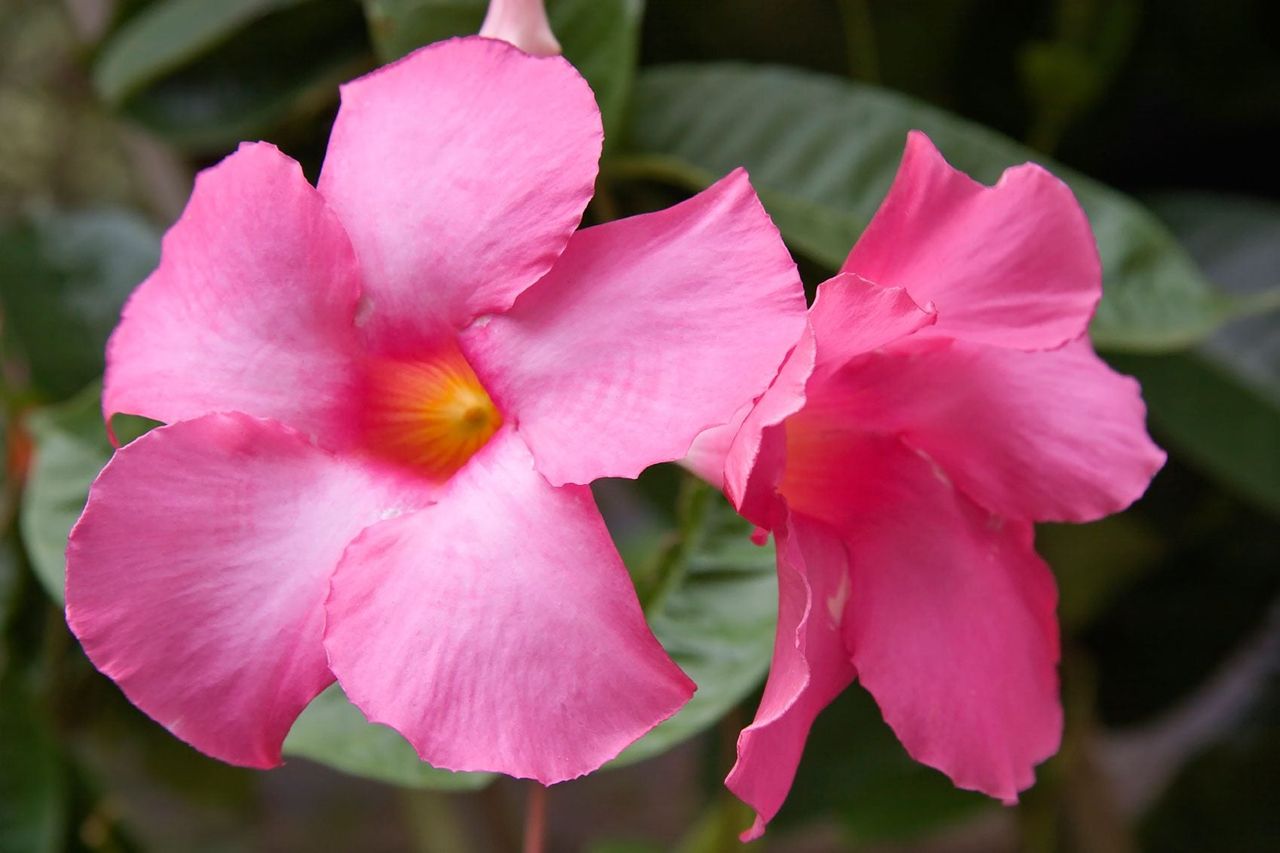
(107,109)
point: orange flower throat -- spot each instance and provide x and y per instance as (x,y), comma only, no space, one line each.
(432,414)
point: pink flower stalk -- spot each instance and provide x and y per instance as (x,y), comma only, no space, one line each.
(385,397)
(523,23)
(901,458)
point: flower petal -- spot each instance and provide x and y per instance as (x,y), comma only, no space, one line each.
(647,331)
(810,666)
(459,172)
(951,614)
(197,575)
(850,316)
(1047,436)
(498,630)
(251,308)
(1013,265)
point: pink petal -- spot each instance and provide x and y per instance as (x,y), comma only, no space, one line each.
(251,308)
(197,575)
(810,666)
(850,316)
(523,23)
(648,331)
(1036,435)
(498,630)
(1013,265)
(951,615)
(460,172)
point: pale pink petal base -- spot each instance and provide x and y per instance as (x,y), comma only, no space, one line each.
(197,575)
(460,172)
(810,666)
(1013,265)
(498,629)
(251,309)
(648,331)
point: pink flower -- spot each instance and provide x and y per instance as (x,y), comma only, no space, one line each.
(385,397)
(901,458)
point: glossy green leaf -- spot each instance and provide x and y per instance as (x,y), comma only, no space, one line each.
(713,608)
(822,151)
(167,34)
(33,795)
(600,37)
(1219,404)
(63,278)
(71,447)
(332,731)
(205,76)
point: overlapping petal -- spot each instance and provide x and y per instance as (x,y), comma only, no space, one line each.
(251,308)
(498,629)
(951,616)
(810,666)
(197,575)
(1012,265)
(1049,436)
(648,331)
(850,316)
(459,172)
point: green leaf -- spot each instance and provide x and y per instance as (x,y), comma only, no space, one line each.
(207,75)
(714,611)
(822,152)
(600,37)
(332,731)
(71,447)
(854,768)
(168,34)
(1219,405)
(33,795)
(63,278)
(1214,421)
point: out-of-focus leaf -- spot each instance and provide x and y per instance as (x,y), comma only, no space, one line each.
(714,612)
(166,34)
(1220,403)
(33,796)
(71,446)
(1228,430)
(263,64)
(1236,240)
(822,152)
(854,768)
(1094,562)
(332,731)
(63,278)
(600,37)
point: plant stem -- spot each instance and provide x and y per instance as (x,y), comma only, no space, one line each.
(535,819)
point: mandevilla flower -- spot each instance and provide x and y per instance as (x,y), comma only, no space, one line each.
(384,398)
(900,460)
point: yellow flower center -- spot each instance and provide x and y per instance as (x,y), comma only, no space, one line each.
(431,414)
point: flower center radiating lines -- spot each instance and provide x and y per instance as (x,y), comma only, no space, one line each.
(431,414)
